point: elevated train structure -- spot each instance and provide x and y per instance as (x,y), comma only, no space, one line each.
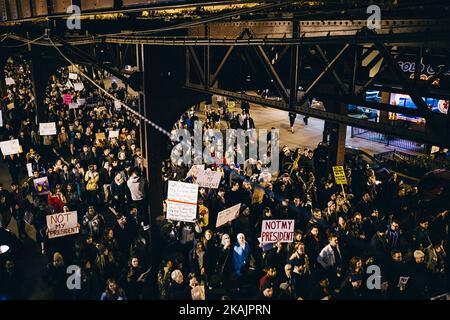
(187,51)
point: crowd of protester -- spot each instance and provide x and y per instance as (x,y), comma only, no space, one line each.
(340,233)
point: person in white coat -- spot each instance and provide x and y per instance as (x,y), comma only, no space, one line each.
(331,260)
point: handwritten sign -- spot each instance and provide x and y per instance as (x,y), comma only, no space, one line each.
(195,169)
(10,147)
(47,129)
(339,175)
(182,201)
(68,99)
(114,134)
(41,186)
(9,81)
(73,105)
(78,86)
(99,137)
(62,224)
(73,76)
(228,215)
(69,85)
(277,231)
(209,179)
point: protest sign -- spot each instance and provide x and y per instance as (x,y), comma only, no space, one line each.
(182,201)
(277,231)
(114,134)
(78,86)
(10,106)
(73,76)
(339,175)
(69,85)
(99,137)
(41,186)
(68,99)
(228,215)
(195,169)
(62,224)
(47,129)
(10,147)
(73,105)
(117,105)
(209,179)
(1,118)
(9,81)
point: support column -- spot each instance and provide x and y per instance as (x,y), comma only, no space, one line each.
(165,101)
(338,138)
(43,66)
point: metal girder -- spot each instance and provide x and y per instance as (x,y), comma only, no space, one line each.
(83,55)
(198,68)
(435,39)
(418,101)
(220,66)
(322,74)
(272,73)
(314,28)
(295,66)
(323,56)
(420,136)
(383,68)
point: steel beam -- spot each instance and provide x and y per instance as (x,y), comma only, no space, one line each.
(272,73)
(197,65)
(323,56)
(412,92)
(220,66)
(420,136)
(322,74)
(295,65)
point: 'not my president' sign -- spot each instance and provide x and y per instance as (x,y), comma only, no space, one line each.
(277,231)
(62,224)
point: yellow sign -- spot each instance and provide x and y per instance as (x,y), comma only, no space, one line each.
(339,175)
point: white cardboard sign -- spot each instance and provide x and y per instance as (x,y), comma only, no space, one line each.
(182,201)
(209,179)
(9,81)
(73,76)
(10,147)
(195,169)
(78,86)
(47,129)
(228,215)
(273,231)
(113,134)
(62,224)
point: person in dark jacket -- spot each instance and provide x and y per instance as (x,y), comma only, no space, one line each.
(55,276)
(10,282)
(178,289)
